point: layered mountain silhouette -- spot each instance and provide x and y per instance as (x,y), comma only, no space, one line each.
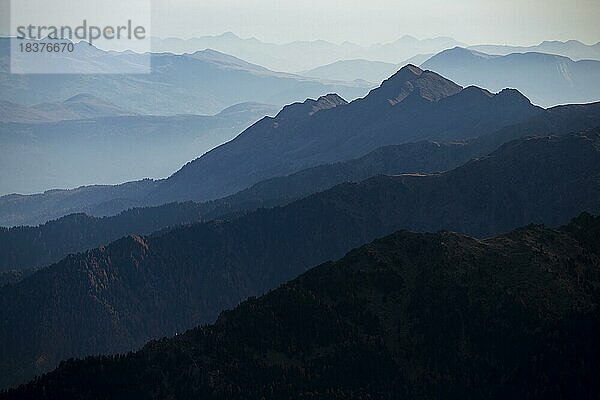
(32,247)
(27,247)
(304,55)
(574,49)
(204,82)
(412,105)
(410,315)
(111,200)
(42,207)
(112,149)
(545,79)
(116,297)
(362,70)
(475,285)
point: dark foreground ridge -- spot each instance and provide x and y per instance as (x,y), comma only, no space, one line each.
(118,297)
(408,316)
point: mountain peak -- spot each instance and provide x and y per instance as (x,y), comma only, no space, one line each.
(407,72)
(412,81)
(512,96)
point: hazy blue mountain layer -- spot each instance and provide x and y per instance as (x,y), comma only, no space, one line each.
(547,80)
(112,149)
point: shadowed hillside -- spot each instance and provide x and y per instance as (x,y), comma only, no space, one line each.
(116,297)
(410,315)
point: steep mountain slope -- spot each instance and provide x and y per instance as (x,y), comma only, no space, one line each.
(116,297)
(204,83)
(410,315)
(547,80)
(412,105)
(573,49)
(109,150)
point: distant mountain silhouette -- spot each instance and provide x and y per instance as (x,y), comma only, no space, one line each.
(361,70)
(410,106)
(118,296)
(42,207)
(110,149)
(545,79)
(410,315)
(204,82)
(304,55)
(350,70)
(80,106)
(573,49)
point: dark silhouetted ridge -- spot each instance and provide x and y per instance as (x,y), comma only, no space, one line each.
(408,316)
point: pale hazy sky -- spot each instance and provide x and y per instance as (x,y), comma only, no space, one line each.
(373,21)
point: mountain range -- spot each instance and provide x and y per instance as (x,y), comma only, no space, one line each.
(118,296)
(32,247)
(573,49)
(23,248)
(111,149)
(204,82)
(378,229)
(397,124)
(304,55)
(308,55)
(417,315)
(546,79)
(410,106)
